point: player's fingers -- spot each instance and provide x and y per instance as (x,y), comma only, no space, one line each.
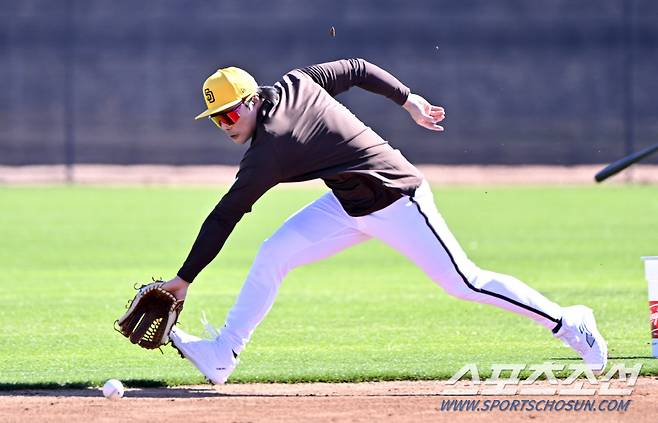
(438,116)
(426,117)
(437,108)
(434,119)
(431,126)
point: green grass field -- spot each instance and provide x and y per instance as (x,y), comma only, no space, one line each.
(70,256)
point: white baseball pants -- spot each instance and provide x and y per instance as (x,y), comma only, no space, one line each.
(411,225)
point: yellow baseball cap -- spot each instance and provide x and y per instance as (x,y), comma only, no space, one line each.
(227,88)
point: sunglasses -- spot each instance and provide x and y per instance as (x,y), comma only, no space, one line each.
(227,117)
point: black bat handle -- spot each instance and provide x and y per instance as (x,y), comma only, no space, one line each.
(623,163)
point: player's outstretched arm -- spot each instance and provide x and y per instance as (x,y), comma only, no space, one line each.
(423,113)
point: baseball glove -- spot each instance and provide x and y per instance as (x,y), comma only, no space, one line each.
(150,316)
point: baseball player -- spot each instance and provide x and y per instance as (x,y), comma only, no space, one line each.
(297,131)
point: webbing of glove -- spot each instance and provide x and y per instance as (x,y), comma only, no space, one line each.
(150,316)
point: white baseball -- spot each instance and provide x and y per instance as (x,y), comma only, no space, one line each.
(113,389)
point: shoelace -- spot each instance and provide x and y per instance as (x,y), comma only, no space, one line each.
(212,331)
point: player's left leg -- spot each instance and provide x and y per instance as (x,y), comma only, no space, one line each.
(414,227)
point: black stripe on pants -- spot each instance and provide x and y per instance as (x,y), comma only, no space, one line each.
(558,322)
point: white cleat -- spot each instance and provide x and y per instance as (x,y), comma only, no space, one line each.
(212,357)
(579,332)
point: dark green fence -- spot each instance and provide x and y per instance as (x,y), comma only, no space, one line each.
(555,82)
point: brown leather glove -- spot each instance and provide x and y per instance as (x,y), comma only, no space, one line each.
(150,316)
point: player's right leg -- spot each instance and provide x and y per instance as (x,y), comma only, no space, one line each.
(319,230)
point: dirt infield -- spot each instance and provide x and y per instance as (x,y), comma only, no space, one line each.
(222,175)
(359,402)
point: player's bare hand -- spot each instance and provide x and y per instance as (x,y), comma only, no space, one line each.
(177,286)
(423,113)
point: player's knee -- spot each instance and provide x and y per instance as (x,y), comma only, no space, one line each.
(272,254)
(463,284)
(484,279)
(268,253)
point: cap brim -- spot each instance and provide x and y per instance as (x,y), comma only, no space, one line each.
(218,109)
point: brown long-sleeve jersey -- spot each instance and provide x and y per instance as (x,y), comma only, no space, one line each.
(306,135)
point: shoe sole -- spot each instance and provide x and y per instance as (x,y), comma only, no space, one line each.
(199,366)
(591,325)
